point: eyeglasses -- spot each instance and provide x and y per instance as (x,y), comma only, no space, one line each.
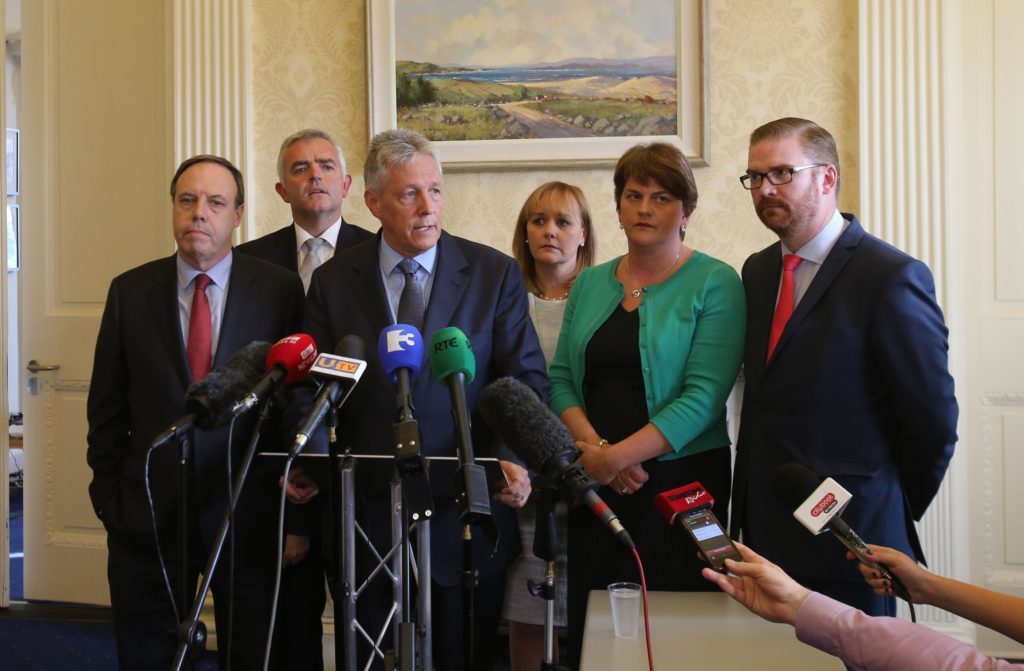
(777,176)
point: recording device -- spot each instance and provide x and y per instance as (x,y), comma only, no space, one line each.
(453,364)
(818,505)
(340,372)
(400,350)
(690,506)
(540,439)
(209,402)
(288,361)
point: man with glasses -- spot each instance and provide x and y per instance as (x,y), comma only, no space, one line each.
(845,370)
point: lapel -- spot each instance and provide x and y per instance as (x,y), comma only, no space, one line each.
(163,308)
(834,263)
(762,285)
(450,282)
(368,287)
(285,243)
(238,308)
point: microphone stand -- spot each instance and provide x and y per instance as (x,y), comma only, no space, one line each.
(334,499)
(545,546)
(185,470)
(192,632)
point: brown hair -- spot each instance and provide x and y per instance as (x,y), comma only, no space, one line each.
(520,248)
(210,158)
(660,163)
(817,143)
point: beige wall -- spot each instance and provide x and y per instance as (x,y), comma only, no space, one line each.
(767,60)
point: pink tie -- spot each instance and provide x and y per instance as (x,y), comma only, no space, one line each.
(199,337)
(784,308)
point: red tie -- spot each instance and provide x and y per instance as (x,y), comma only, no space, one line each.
(199,337)
(784,308)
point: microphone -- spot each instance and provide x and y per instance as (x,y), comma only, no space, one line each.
(208,402)
(540,439)
(452,363)
(289,361)
(818,505)
(690,506)
(400,350)
(343,372)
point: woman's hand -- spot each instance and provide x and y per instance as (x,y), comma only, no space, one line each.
(629,480)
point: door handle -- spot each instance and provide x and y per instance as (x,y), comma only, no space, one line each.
(35,367)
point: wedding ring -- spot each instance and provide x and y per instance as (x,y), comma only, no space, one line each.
(624,491)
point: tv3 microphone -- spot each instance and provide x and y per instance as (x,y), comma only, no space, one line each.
(818,506)
(690,506)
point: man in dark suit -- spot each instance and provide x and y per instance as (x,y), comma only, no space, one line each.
(152,344)
(314,180)
(462,284)
(854,385)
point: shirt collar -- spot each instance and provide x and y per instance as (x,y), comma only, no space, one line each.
(218,273)
(389,258)
(818,247)
(330,235)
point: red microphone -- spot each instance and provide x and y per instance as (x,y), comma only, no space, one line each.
(689,506)
(288,361)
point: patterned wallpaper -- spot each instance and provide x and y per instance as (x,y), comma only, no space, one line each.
(767,60)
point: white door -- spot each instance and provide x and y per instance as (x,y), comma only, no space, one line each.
(95,156)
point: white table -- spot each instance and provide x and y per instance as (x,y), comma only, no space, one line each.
(699,631)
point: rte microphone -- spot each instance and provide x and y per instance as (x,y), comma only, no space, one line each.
(540,439)
(208,401)
(689,506)
(818,505)
(288,361)
(341,372)
(400,350)
(453,364)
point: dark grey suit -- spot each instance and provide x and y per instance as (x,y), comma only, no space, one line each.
(140,377)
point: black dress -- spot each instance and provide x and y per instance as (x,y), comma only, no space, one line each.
(615,402)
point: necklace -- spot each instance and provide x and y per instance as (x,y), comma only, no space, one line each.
(635,293)
(541,296)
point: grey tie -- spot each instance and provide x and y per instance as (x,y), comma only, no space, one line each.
(310,262)
(410,304)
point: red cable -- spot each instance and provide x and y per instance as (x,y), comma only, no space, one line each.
(647,616)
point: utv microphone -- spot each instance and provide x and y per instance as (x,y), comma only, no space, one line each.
(690,506)
(818,505)
(288,361)
(540,439)
(453,364)
(341,373)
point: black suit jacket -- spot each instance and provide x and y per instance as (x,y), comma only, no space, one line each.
(477,289)
(858,390)
(280,246)
(140,377)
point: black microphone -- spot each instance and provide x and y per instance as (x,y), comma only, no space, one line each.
(342,372)
(540,439)
(209,401)
(817,504)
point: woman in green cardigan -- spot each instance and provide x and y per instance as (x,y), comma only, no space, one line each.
(650,347)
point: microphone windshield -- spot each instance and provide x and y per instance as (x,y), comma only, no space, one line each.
(794,483)
(450,353)
(294,354)
(400,346)
(518,417)
(212,398)
(352,347)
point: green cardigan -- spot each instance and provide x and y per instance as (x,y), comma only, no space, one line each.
(691,345)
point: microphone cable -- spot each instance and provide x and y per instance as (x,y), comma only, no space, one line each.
(156,535)
(647,615)
(280,560)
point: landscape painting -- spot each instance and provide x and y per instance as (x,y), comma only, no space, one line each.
(542,81)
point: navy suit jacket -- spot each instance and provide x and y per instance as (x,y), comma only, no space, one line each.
(140,378)
(480,291)
(280,246)
(858,390)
